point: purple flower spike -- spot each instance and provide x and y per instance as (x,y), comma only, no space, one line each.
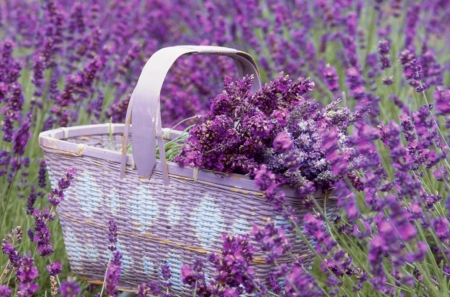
(442,98)
(355,83)
(9,249)
(21,136)
(419,255)
(27,273)
(271,240)
(55,197)
(383,51)
(64,182)
(315,228)
(300,281)
(416,69)
(113,274)
(5,291)
(331,78)
(69,289)
(441,227)
(195,278)
(42,233)
(42,178)
(150,289)
(112,226)
(233,263)
(282,142)
(165,271)
(31,200)
(166,275)
(264,178)
(55,268)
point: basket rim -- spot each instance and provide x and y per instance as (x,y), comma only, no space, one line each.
(55,142)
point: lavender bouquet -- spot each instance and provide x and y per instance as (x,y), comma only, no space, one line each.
(279,128)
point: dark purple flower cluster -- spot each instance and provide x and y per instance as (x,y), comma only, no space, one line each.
(154,288)
(355,83)
(70,288)
(442,98)
(54,268)
(316,229)
(151,289)
(113,270)
(57,195)
(41,232)
(233,276)
(331,78)
(5,291)
(112,226)
(301,283)
(276,127)
(272,241)
(42,177)
(9,249)
(113,274)
(383,51)
(27,273)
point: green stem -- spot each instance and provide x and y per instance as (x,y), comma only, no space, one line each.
(106,272)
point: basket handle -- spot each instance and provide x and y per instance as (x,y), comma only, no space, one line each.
(144,105)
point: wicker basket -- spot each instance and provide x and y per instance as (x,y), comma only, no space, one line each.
(164,213)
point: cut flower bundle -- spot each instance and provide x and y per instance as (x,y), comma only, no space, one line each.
(277,129)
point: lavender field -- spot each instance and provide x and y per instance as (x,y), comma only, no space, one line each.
(355,102)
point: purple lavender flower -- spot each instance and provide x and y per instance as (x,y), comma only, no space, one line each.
(55,197)
(112,226)
(347,199)
(416,69)
(42,178)
(378,246)
(441,227)
(282,142)
(31,200)
(442,98)
(54,268)
(165,272)
(338,265)
(151,289)
(64,182)
(42,233)
(331,78)
(27,273)
(419,255)
(355,83)
(271,240)
(69,289)
(11,112)
(166,275)
(421,88)
(388,80)
(5,291)
(9,249)
(264,178)
(383,50)
(112,277)
(233,264)
(411,23)
(315,228)
(300,281)
(195,278)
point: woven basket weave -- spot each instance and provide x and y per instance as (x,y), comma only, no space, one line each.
(165,213)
